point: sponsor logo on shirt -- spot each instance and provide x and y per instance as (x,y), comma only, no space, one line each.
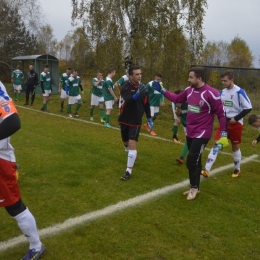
(194,109)
(228,103)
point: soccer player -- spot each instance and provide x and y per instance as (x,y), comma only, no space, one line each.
(203,103)
(254,120)
(154,100)
(10,197)
(109,95)
(31,83)
(97,98)
(237,105)
(45,79)
(135,103)
(72,92)
(62,87)
(119,83)
(17,77)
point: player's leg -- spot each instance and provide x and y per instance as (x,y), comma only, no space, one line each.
(71,101)
(211,157)
(78,105)
(154,115)
(33,94)
(196,147)
(93,103)
(130,134)
(14,206)
(62,99)
(27,94)
(101,109)
(184,151)
(235,136)
(109,107)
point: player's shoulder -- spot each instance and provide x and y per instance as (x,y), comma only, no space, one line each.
(43,73)
(65,75)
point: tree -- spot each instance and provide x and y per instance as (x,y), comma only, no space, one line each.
(140,23)
(239,54)
(47,42)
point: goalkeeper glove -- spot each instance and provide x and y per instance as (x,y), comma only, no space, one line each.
(157,86)
(142,90)
(223,139)
(150,123)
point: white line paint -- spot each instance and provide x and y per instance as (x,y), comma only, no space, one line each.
(115,128)
(73,222)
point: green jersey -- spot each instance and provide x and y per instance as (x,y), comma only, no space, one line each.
(183,114)
(108,85)
(122,80)
(73,84)
(18,76)
(154,95)
(63,79)
(46,79)
(97,90)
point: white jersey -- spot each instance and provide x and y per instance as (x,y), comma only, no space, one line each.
(6,149)
(235,101)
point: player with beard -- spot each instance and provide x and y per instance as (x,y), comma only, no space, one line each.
(203,103)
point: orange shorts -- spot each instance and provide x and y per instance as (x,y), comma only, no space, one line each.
(9,189)
(234,133)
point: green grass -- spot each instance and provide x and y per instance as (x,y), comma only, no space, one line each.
(70,167)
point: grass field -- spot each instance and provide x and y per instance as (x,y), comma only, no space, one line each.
(72,168)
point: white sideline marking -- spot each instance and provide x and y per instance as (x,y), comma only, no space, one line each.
(73,222)
(115,128)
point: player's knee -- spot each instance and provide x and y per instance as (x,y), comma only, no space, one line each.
(192,161)
(16,208)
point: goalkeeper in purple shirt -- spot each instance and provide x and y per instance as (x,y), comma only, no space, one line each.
(203,103)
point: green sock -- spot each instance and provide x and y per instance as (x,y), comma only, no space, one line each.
(107,119)
(184,151)
(18,96)
(91,112)
(69,109)
(77,107)
(45,107)
(15,95)
(175,129)
(62,104)
(101,113)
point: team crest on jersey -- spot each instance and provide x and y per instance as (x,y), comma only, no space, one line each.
(209,160)
(201,103)
(231,96)
(6,107)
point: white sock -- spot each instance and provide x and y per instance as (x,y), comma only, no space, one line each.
(210,160)
(27,224)
(131,160)
(237,159)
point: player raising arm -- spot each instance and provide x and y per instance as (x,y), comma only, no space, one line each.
(203,103)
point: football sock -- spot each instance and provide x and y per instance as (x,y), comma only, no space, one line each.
(175,129)
(69,109)
(237,159)
(77,107)
(15,95)
(91,112)
(18,96)
(184,151)
(107,119)
(62,104)
(27,224)
(211,159)
(131,160)
(101,113)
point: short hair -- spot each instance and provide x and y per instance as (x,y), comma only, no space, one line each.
(69,68)
(110,70)
(132,69)
(228,73)
(252,119)
(199,72)
(47,66)
(18,67)
(159,75)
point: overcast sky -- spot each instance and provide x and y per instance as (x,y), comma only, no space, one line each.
(224,20)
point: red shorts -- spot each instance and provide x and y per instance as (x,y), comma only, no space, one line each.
(234,133)
(9,189)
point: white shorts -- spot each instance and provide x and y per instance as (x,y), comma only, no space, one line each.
(109,104)
(96,101)
(17,87)
(46,93)
(120,102)
(173,111)
(73,100)
(63,94)
(154,110)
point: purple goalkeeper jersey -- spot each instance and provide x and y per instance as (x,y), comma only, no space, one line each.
(203,104)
